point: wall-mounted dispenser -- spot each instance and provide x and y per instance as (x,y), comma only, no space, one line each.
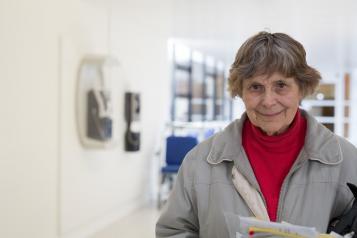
(99,115)
(96,101)
(132,118)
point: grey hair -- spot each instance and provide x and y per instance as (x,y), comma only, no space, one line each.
(266,53)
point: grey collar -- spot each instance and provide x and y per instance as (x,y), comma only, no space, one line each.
(320,144)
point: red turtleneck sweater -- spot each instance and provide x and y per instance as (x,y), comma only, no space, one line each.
(271,157)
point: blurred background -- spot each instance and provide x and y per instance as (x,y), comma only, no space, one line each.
(92,90)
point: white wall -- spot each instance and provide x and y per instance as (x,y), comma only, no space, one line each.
(29,118)
(99,186)
(50,185)
(325,28)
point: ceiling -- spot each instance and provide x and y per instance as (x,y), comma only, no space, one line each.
(327,29)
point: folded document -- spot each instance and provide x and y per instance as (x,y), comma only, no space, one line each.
(245,227)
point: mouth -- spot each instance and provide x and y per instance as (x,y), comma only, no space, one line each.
(269,114)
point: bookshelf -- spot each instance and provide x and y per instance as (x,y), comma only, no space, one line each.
(199,88)
(331,104)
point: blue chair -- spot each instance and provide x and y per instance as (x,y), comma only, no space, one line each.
(176,150)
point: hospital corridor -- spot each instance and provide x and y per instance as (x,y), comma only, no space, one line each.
(102,100)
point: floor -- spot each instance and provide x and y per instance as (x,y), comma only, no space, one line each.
(140,224)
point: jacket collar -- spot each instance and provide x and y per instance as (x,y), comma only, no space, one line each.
(320,144)
(227,145)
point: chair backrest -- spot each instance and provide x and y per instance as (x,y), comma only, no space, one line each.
(177,147)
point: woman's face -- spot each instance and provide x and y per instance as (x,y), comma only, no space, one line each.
(271,102)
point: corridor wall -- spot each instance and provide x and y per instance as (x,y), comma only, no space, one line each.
(51,186)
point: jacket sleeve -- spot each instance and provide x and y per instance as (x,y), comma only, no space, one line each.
(179,215)
(344,198)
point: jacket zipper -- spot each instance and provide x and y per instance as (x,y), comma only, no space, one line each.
(287,178)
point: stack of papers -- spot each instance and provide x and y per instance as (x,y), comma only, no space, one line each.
(249,227)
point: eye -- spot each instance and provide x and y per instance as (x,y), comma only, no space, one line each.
(256,87)
(281,84)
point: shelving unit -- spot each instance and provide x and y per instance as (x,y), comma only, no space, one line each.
(198,89)
(181,107)
(331,104)
(198,100)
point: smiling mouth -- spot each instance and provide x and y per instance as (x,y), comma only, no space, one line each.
(270,114)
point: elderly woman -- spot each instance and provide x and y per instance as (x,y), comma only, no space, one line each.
(276,162)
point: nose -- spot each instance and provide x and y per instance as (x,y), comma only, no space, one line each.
(268,99)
